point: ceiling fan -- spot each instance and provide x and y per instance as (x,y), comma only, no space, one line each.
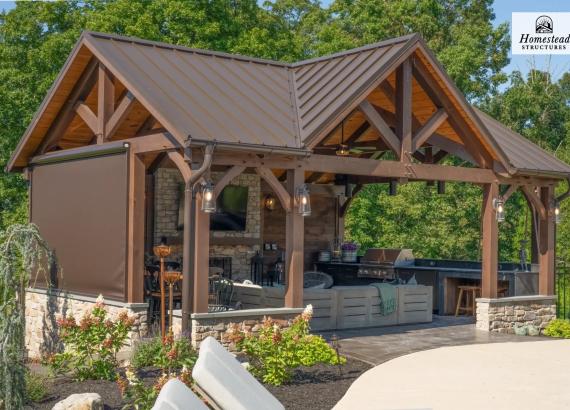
(343,150)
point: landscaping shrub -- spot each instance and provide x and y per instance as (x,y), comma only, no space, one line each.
(91,345)
(558,328)
(176,358)
(24,257)
(167,353)
(274,352)
(36,387)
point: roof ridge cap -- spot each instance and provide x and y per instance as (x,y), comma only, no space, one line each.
(382,43)
(161,44)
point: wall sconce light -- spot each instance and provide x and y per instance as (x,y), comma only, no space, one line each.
(499,206)
(269,202)
(303,200)
(208,200)
(557,216)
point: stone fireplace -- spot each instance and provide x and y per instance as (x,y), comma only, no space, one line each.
(241,246)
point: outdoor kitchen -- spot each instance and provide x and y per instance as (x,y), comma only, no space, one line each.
(247,246)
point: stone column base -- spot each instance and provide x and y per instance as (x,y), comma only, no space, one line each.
(505,314)
(215,324)
(43,308)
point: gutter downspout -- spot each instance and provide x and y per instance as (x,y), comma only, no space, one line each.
(189,240)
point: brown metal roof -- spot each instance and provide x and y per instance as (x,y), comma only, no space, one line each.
(523,155)
(206,96)
(213,96)
(324,85)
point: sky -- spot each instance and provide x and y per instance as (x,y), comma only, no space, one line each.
(557,65)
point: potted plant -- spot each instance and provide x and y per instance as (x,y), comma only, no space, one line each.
(349,251)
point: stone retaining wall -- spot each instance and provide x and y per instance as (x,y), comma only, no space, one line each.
(216,324)
(43,310)
(505,314)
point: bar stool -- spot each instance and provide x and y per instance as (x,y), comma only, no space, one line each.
(471,293)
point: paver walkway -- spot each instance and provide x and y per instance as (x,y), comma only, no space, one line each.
(378,345)
(497,376)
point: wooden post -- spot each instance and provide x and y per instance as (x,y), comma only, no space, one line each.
(546,246)
(187,258)
(202,256)
(136,229)
(105,103)
(404,109)
(295,237)
(490,242)
(149,213)
(533,236)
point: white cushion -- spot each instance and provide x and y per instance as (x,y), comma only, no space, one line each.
(225,380)
(175,395)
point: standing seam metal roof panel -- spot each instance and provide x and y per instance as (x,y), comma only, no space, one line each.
(209,97)
(324,86)
(213,96)
(523,154)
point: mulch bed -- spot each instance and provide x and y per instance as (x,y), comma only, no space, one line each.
(322,384)
(319,387)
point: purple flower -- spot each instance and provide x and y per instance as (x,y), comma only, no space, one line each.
(349,246)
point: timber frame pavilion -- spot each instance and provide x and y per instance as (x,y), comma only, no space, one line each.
(154,102)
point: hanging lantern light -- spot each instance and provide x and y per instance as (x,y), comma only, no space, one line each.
(499,206)
(303,200)
(557,216)
(343,150)
(208,200)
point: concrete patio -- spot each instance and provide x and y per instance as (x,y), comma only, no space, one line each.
(378,345)
(499,376)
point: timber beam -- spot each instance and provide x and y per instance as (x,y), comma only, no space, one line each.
(430,85)
(509,192)
(404,109)
(386,133)
(232,173)
(428,128)
(535,201)
(337,165)
(362,166)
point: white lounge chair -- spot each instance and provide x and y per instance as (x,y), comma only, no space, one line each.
(227,383)
(175,395)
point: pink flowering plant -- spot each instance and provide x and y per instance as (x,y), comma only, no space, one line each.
(275,351)
(174,357)
(92,344)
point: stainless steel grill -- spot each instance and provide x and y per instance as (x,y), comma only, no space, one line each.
(381,262)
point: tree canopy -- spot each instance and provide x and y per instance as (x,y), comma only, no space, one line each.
(36,37)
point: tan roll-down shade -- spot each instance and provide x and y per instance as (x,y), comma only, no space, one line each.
(80,207)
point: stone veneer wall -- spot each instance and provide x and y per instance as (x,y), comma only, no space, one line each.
(43,310)
(216,324)
(168,182)
(502,315)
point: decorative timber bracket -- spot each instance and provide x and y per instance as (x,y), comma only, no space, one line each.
(108,119)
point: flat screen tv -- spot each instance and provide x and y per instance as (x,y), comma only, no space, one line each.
(231,209)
